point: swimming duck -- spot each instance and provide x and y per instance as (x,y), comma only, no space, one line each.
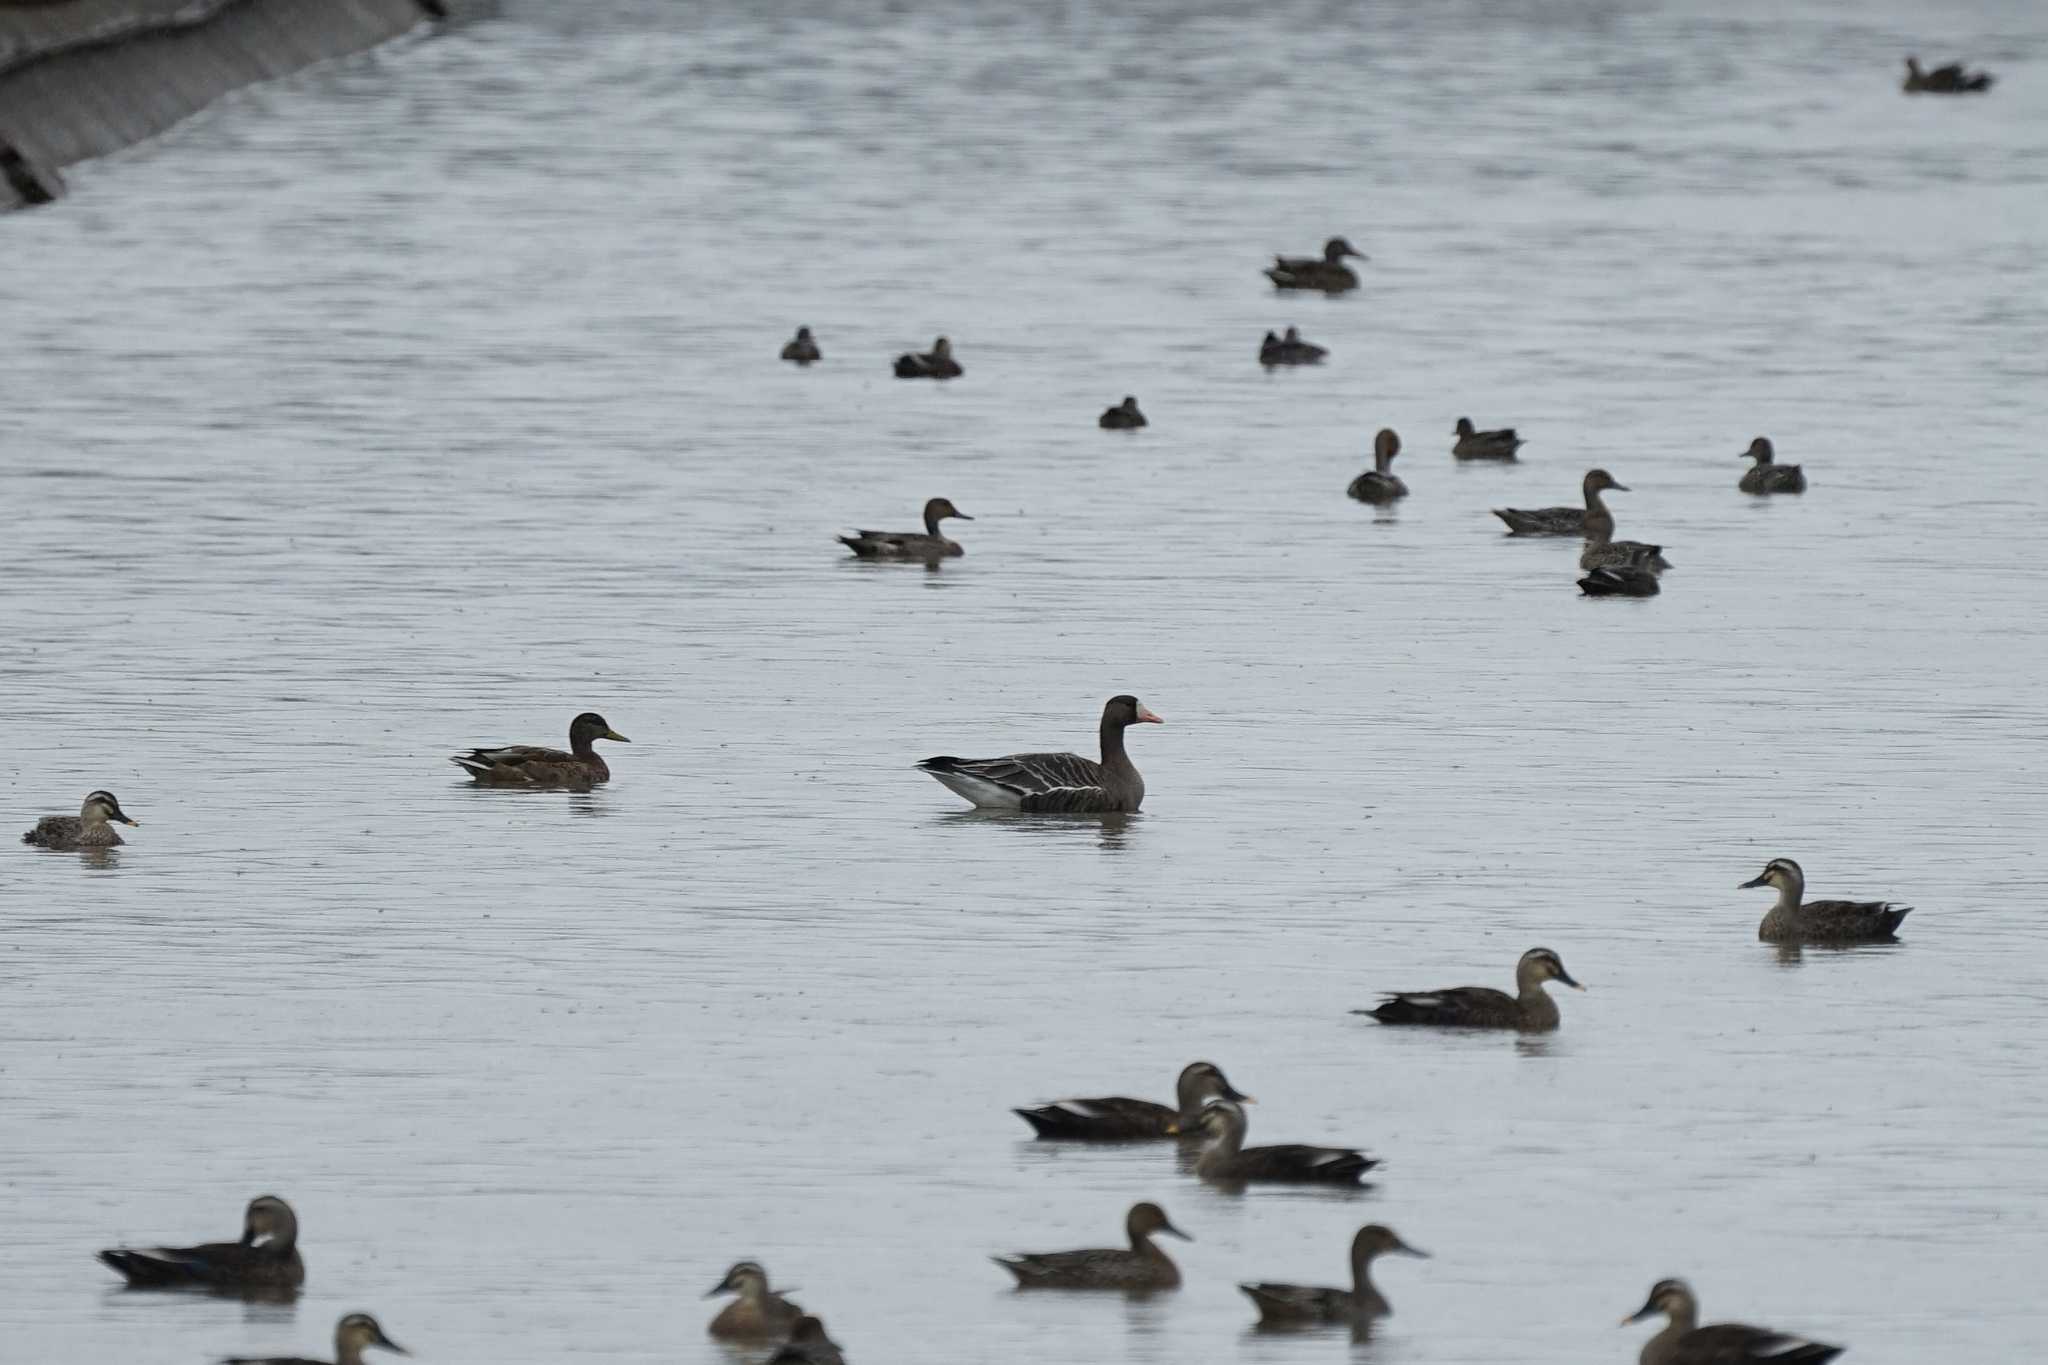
(1567,521)
(1066,784)
(1945,80)
(1485,445)
(1766,476)
(32,186)
(1293,1305)
(530,765)
(1530,1009)
(1329,273)
(1790,921)
(252,1264)
(1684,1342)
(808,1345)
(1289,349)
(937,363)
(802,350)
(759,1313)
(87,829)
(1116,1119)
(1123,417)
(1601,552)
(1142,1268)
(1378,484)
(908,544)
(1621,580)
(1227,1160)
(353,1335)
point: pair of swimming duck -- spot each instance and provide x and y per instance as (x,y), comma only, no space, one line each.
(760,1314)
(937,363)
(1613,568)
(1380,485)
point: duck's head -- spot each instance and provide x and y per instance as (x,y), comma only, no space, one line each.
(269,1216)
(1666,1296)
(101,807)
(1761,450)
(590,726)
(1913,65)
(1377,1239)
(1540,965)
(1781,873)
(1464,427)
(746,1278)
(1292,334)
(1336,249)
(1270,340)
(938,509)
(1128,710)
(1600,481)
(1130,403)
(358,1332)
(1386,445)
(1148,1218)
(803,334)
(1203,1081)
(942,348)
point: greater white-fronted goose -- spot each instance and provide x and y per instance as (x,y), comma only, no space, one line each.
(802,349)
(1326,272)
(1530,1009)
(1684,1342)
(265,1260)
(1140,1268)
(353,1335)
(1295,1305)
(1500,444)
(1113,1118)
(1567,521)
(1123,417)
(759,1313)
(1767,475)
(1226,1160)
(937,363)
(1797,920)
(908,545)
(1055,783)
(1945,80)
(1290,350)
(1379,485)
(87,829)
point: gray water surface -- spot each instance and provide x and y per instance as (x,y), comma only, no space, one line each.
(428,399)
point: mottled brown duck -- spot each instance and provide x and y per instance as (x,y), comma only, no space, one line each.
(1684,1342)
(1945,80)
(354,1334)
(1290,349)
(1472,444)
(531,765)
(758,1313)
(802,349)
(90,828)
(1326,273)
(1113,1118)
(1767,475)
(1379,485)
(1567,521)
(909,545)
(1529,1009)
(1058,784)
(1140,1268)
(264,1260)
(1294,1305)
(1123,417)
(1602,551)
(937,363)
(1796,920)
(1226,1160)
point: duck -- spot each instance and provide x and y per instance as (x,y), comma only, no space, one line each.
(1530,1009)
(87,829)
(1484,445)
(1290,349)
(1602,552)
(266,1259)
(1060,784)
(759,1313)
(1378,484)
(1766,475)
(353,1335)
(1141,1268)
(1294,1305)
(1567,521)
(1621,580)
(1116,1119)
(1327,272)
(1945,80)
(1226,1160)
(1794,921)
(802,349)
(808,1345)
(32,186)
(1684,1342)
(908,544)
(1123,417)
(937,363)
(530,765)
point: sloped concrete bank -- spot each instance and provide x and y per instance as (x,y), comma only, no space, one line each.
(82,78)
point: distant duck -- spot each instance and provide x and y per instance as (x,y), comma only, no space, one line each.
(1293,1305)
(1378,484)
(1684,1342)
(1485,445)
(909,545)
(1601,552)
(1227,1161)
(937,363)
(1530,1009)
(535,766)
(802,349)
(1061,784)
(759,1313)
(1768,476)
(1795,920)
(1327,273)
(87,829)
(1114,1118)
(265,1260)
(808,1345)
(1622,580)
(353,1335)
(32,186)
(1140,1269)
(1290,349)
(1567,521)
(1123,417)
(1945,80)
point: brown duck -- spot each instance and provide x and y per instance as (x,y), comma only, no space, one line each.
(1226,1160)
(908,545)
(1530,1009)
(353,1335)
(530,765)
(1294,1305)
(1114,1118)
(264,1260)
(1684,1342)
(1797,920)
(759,1313)
(1141,1268)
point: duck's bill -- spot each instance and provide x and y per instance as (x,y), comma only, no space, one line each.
(1758,880)
(131,823)
(1566,978)
(1406,1250)
(1170,1228)
(1146,713)
(962,516)
(1621,488)
(388,1344)
(615,735)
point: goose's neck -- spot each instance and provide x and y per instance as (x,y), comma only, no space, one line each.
(1114,759)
